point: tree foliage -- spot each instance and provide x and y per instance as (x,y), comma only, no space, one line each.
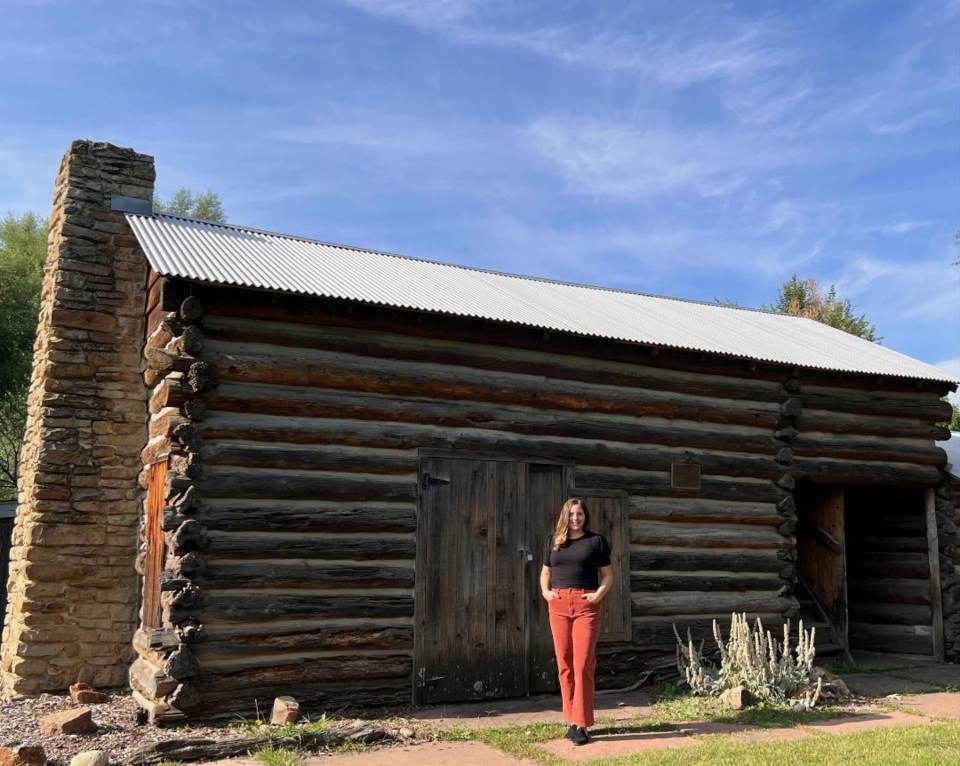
(805,298)
(23,249)
(206,206)
(13,421)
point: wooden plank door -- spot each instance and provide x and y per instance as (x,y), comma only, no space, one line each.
(821,551)
(470,615)
(608,517)
(546,493)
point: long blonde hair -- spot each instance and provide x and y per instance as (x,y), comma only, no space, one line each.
(563,523)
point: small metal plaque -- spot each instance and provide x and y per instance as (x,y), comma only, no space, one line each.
(685,475)
(131,204)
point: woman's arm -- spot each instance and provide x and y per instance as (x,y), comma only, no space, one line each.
(548,595)
(606,583)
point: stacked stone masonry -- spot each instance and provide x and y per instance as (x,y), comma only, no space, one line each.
(72,599)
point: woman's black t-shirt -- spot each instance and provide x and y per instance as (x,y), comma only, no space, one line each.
(575,563)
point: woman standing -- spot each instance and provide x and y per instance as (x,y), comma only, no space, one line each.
(576,575)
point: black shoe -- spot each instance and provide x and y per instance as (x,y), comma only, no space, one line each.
(580,736)
(570,732)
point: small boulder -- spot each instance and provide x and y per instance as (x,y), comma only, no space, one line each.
(84,694)
(834,688)
(76,721)
(285,710)
(91,758)
(23,755)
(739,697)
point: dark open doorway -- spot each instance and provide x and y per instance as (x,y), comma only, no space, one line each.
(863,564)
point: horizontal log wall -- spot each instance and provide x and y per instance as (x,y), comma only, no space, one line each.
(304,411)
(889,575)
(298,466)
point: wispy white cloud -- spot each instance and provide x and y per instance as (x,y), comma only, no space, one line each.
(641,159)
(701,46)
(426,14)
(900,227)
(909,123)
(904,298)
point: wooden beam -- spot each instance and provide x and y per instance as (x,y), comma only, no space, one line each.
(822,535)
(936,595)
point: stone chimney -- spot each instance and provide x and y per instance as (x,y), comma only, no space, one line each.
(72,602)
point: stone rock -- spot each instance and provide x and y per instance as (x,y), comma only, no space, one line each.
(834,688)
(285,710)
(84,694)
(23,755)
(90,758)
(77,721)
(738,697)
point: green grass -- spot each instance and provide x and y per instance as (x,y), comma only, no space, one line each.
(279,756)
(689,708)
(915,745)
(930,745)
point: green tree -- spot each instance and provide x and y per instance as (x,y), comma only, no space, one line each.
(804,298)
(23,249)
(206,206)
(954,424)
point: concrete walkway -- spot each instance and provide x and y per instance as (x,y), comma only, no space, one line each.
(915,685)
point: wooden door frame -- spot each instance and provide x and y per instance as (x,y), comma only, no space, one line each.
(826,539)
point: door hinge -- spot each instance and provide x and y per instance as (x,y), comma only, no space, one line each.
(427,481)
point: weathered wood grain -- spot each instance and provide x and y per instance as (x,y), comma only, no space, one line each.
(306,545)
(306,367)
(693,510)
(394,340)
(310,516)
(316,402)
(647,603)
(247,606)
(296,573)
(686,559)
(704,535)
(231,482)
(708,582)
(304,637)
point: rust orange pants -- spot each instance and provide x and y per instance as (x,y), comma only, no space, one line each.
(575,624)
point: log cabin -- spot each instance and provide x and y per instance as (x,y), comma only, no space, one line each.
(346,463)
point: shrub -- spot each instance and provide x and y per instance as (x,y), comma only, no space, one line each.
(771,670)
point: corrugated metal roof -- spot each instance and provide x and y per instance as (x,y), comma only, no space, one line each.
(233,255)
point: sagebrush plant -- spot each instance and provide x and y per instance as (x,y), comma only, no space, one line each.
(770,669)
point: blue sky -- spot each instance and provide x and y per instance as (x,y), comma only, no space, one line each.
(694,149)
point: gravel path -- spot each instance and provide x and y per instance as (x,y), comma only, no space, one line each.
(119,733)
